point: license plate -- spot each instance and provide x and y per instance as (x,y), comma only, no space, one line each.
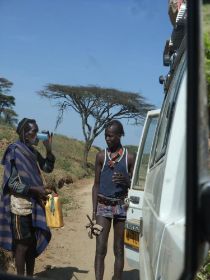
(131,238)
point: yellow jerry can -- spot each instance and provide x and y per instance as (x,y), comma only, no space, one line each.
(53,210)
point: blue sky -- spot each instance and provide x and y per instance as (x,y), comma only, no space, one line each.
(108,43)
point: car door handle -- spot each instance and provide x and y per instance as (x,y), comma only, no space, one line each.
(134,199)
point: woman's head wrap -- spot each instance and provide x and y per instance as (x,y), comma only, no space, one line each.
(23,125)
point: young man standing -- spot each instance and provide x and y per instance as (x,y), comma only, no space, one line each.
(113,171)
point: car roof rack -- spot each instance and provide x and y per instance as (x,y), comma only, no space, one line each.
(175,44)
(172,45)
(182,14)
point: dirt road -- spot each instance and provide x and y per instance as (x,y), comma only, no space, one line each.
(70,254)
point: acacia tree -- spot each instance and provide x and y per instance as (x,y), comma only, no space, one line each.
(7,114)
(97,106)
(10,116)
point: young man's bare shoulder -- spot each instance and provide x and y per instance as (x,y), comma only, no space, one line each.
(100,155)
(131,157)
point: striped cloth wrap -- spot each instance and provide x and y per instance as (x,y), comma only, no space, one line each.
(26,164)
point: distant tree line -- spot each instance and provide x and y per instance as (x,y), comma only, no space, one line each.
(7,103)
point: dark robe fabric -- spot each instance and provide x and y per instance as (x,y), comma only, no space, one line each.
(25,160)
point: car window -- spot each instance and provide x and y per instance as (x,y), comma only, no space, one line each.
(143,158)
(166,115)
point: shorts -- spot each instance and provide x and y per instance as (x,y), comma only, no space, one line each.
(114,212)
(22,227)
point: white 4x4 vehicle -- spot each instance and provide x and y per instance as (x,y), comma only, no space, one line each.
(156,213)
(166,230)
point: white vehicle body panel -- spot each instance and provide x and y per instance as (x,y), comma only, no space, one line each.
(161,205)
(164,205)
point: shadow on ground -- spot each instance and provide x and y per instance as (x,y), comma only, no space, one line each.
(60,273)
(131,275)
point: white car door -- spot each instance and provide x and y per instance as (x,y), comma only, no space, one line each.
(135,194)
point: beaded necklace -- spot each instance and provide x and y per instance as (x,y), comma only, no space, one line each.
(114,157)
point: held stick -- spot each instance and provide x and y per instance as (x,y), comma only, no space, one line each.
(91,222)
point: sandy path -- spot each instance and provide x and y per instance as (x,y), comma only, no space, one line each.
(70,254)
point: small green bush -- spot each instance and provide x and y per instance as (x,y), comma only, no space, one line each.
(204,272)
